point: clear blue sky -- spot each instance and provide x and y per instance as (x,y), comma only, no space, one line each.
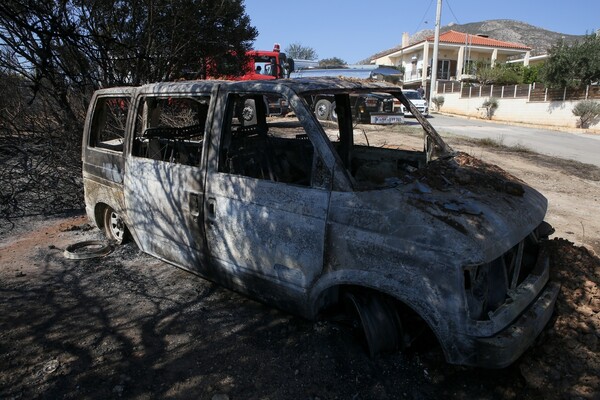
(356,29)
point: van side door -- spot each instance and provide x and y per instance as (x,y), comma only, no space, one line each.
(267,195)
(104,136)
(103,151)
(164,181)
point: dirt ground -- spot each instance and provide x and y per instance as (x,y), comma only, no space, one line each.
(130,326)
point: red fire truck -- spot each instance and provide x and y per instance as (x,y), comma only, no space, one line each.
(260,65)
(264,64)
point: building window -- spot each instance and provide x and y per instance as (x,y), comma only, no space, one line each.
(443,69)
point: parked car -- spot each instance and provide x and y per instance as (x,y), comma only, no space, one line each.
(414,97)
(297,213)
(367,108)
(375,108)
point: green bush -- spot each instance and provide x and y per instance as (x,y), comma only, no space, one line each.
(588,112)
(531,73)
(438,101)
(499,74)
(490,104)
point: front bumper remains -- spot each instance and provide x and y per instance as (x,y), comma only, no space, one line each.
(503,348)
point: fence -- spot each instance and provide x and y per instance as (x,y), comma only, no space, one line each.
(540,93)
(532,92)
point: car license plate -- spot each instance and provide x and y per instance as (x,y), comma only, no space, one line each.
(386,119)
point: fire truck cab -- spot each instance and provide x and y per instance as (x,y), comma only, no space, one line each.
(264,65)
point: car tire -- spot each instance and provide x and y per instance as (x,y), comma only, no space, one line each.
(323,110)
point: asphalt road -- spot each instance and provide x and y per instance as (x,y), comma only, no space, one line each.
(580,147)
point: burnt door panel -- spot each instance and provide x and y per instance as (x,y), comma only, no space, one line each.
(269,230)
(163,203)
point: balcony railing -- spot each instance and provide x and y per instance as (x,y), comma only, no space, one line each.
(413,76)
(416,76)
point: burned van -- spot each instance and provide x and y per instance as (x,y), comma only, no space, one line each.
(304,215)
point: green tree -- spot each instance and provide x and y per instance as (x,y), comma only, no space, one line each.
(573,65)
(531,73)
(300,52)
(332,62)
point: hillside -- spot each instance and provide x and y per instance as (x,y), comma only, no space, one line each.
(538,39)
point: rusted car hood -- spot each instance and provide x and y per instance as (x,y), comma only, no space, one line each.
(459,207)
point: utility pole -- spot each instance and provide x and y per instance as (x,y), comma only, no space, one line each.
(436,47)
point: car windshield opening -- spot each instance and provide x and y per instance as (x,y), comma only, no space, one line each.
(377,146)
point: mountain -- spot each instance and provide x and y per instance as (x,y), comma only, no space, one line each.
(539,39)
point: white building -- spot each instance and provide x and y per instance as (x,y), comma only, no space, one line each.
(458,54)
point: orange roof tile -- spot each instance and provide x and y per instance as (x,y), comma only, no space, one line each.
(462,38)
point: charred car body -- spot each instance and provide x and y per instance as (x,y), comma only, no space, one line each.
(293,212)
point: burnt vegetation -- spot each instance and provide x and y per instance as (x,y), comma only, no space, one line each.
(39,153)
(54,54)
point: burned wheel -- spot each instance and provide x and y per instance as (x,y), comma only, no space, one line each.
(114,226)
(248,113)
(378,321)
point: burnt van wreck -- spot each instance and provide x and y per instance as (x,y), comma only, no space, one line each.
(289,209)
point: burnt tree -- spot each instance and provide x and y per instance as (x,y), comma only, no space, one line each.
(54,54)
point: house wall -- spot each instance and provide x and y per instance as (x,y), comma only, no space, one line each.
(475,55)
(385,60)
(553,113)
(502,58)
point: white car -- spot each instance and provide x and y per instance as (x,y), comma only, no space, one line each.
(417,100)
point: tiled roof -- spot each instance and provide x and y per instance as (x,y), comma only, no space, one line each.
(462,38)
(459,38)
